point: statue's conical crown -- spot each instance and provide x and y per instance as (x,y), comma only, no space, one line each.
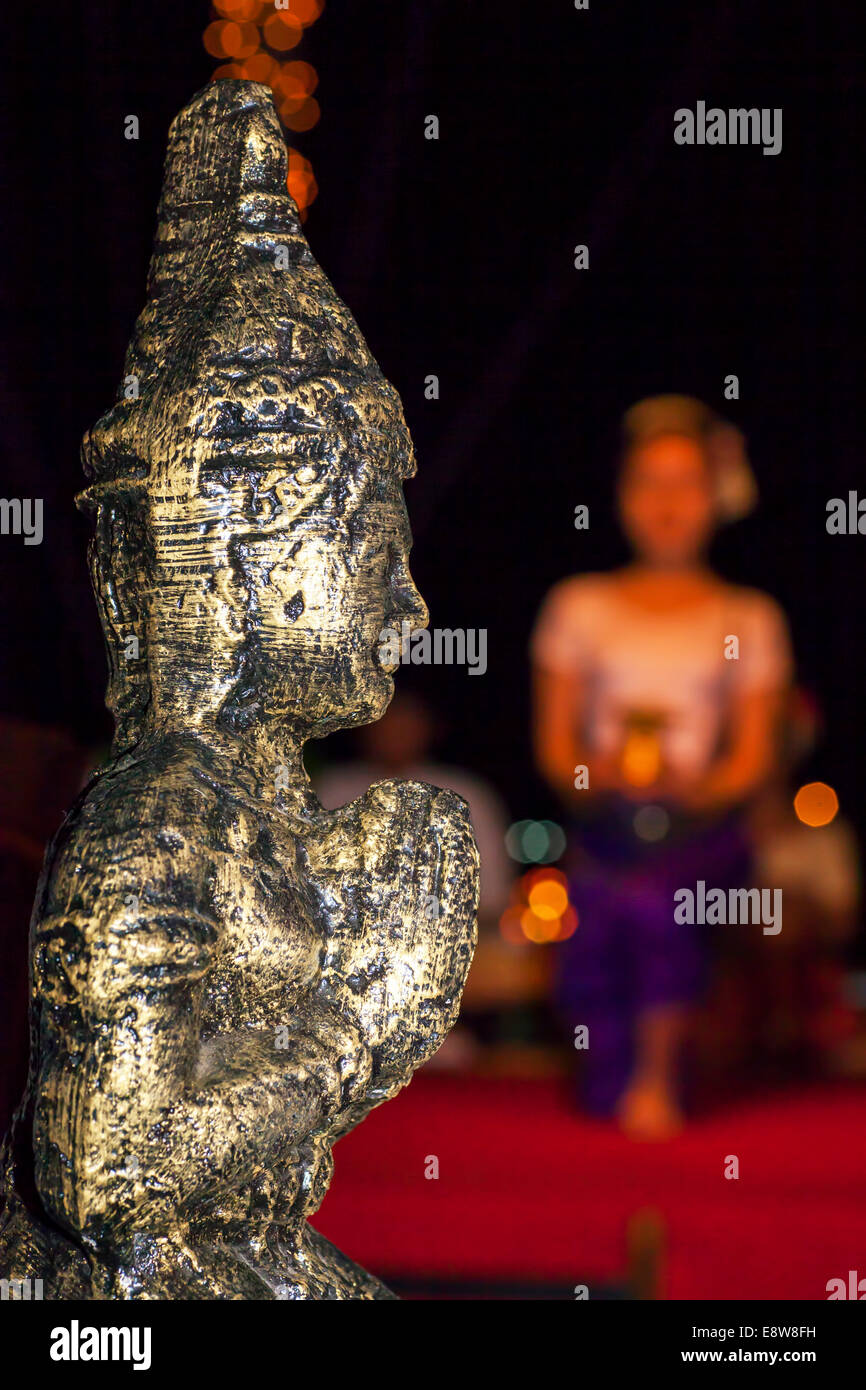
(243,352)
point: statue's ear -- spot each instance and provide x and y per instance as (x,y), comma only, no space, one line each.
(115,560)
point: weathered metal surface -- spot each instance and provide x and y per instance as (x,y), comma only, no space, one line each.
(225,977)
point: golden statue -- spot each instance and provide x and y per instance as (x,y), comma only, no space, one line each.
(225,977)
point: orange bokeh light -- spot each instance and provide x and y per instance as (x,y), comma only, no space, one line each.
(212,38)
(301,75)
(227,70)
(539,911)
(307,11)
(293,85)
(545,873)
(290,103)
(816,804)
(243,40)
(641,759)
(225,39)
(567,924)
(261,67)
(548,899)
(538,929)
(302,186)
(303,117)
(282,31)
(510,928)
(239,10)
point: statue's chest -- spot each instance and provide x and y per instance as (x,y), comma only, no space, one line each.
(271,943)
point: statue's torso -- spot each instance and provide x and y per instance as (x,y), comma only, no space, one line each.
(161,876)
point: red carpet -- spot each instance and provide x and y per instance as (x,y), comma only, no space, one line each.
(530,1192)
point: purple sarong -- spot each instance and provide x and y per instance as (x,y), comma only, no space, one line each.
(628,954)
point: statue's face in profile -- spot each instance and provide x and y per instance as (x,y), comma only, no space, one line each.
(251,529)
(273,588)
(319,617)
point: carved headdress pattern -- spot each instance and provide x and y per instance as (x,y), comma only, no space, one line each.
(244,349)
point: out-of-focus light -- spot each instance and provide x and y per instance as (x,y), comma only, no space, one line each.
(302,74)
(540,930)
(651,823)
(261,67)
(212,38)
(514,840)
(816,804)
(244,40)
(539,911)
(225,39)
(289,105)
(567,923)
(510,928)
(294,85)
(641,759)
(544,874)
(556,841)
(300,175)
(548,899)
(227,70)
(304,118)
(301,190)
(282,30)
(307,11)
(527,841)
(239,10)
(535,841)
(301,183)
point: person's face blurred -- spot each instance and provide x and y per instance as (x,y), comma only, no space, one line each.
(666,500)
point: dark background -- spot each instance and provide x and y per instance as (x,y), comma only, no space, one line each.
(556,128)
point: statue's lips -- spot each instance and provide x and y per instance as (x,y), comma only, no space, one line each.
(380,660)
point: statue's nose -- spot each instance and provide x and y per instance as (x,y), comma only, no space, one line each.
(408,604)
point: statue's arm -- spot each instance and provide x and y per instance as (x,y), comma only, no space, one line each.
(136,1118)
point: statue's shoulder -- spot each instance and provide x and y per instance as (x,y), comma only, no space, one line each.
(154,797)
(127,893)
(141,821)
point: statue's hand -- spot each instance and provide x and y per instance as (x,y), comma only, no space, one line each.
(398,873)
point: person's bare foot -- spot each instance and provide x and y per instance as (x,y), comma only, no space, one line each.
(649,1110)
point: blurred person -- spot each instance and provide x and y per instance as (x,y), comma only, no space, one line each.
(632,682)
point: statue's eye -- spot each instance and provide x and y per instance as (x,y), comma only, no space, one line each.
(375,553)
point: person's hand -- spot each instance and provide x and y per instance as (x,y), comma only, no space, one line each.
(687,792)
(605,775)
